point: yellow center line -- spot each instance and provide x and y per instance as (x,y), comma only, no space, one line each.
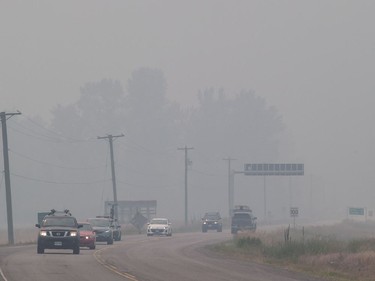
(97,256)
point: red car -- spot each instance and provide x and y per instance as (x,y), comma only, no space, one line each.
(87,236)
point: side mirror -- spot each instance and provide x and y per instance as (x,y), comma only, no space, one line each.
(37,225)
(80,225)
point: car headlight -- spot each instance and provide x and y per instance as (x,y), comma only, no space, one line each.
(73,233)
(215,222)
(107,230)
(43,233)
(204,222)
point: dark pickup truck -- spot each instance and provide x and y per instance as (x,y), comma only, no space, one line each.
(243,220)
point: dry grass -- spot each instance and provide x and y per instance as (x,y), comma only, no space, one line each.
(21,236)
(350,266)
(341,252)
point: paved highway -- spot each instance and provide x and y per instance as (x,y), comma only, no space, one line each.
(181,257)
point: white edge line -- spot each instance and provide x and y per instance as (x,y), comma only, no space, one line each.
(2,275)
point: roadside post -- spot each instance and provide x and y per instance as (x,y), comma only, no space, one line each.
(294,214)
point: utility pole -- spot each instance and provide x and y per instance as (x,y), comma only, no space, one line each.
(3,117)
(186,180)
(230,193)
(111,138)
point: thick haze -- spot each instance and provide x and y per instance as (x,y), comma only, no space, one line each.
(313,61)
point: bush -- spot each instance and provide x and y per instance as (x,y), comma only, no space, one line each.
(325,246)
(291,250)
(360,245)
(248,242)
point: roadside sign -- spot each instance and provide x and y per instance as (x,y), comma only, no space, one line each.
(294,212)
(274,169)
(356,211)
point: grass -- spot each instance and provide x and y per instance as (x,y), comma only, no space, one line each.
(345,251)
(22,236)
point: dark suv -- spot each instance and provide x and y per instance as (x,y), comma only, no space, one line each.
(243,219)
(103,229)
(58,230)
(212,220)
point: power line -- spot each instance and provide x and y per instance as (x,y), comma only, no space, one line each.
(59,183)
(54,165)
(59,135)
(52,137)
(145,187)
(136,146)
(205,173)
(43,138)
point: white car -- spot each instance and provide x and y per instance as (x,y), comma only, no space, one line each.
(159,226)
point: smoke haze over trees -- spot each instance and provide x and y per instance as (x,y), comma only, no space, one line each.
(66,163)
(256,81)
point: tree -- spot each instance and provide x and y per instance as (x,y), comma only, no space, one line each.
(147,90)
(242,126)
(150,123)
(152,132)
(97,111)
(150,118)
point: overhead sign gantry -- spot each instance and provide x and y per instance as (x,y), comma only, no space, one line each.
(265,169)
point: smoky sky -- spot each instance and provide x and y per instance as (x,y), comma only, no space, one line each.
(311,60)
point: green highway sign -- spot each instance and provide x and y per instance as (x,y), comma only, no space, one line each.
(274,169)
(357,211)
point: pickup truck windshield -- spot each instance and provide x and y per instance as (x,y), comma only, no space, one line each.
(59,221)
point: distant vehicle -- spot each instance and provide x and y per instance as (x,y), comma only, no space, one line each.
(212,220)
(58,230)
(41,216)
(116,227)
(103,229)
(159,226)
(87,236)
(116,230)
(243,219)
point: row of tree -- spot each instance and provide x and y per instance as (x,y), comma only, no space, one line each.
(64,162)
